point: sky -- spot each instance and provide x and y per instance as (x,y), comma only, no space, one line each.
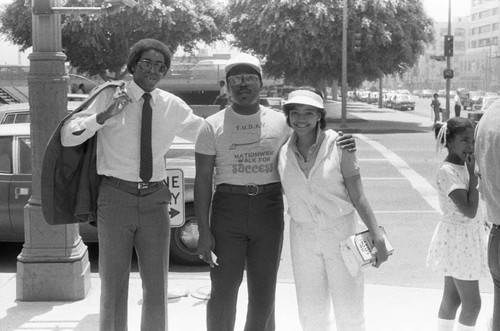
(436,9)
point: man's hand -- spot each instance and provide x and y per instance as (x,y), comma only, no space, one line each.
(120,100)
(206,244)
(346,142)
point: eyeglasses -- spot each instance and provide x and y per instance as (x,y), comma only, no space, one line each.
(146,65)
(247,78)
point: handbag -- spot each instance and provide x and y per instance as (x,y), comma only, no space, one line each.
(356,250)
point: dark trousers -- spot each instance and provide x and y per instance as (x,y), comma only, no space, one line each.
(457,110)
(246,229)
(127,221)
(494,264)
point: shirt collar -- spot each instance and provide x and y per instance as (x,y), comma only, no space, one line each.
(320,135)
(136,92)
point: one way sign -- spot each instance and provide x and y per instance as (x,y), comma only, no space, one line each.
(175,182)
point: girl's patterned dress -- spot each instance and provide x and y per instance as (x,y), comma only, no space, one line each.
(458,246)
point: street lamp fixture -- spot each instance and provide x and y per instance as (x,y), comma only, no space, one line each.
(44,7)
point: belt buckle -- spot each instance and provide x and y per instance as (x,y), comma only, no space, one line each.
(252,189)
(141,186)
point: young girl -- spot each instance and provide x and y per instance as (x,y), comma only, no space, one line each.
(458,249)
(323,187)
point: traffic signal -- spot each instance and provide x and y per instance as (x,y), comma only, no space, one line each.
(448,45)
(357,42)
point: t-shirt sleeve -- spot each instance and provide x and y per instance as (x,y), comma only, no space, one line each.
(348,163)
(205,140)
(450,180)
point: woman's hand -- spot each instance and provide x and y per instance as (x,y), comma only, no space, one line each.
(379,251)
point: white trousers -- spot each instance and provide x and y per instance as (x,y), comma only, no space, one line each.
(322,279)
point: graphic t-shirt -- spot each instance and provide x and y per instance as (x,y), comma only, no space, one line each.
(246,146)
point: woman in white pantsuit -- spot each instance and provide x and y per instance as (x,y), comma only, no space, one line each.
(323,187)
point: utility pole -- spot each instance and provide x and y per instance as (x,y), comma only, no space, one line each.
(343,122)
(446,114)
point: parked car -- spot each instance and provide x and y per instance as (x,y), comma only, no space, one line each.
(486,103)
(373,97)
(362,96)
(401,102)
(426,94)
(15,189)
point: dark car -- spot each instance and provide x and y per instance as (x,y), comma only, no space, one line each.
(401,102)
(15,190)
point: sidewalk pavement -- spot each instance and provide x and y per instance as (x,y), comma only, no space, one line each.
(388,308)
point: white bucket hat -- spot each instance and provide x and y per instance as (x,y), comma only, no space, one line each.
(305,97)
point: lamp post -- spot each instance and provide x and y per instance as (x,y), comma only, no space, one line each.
(53,264)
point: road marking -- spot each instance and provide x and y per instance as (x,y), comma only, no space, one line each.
(373,160)
(404,211)
(384,178)
(419,183)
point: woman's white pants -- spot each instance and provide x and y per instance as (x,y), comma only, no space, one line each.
(322,279)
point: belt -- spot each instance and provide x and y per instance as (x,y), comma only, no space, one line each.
(249,189)
(133,187)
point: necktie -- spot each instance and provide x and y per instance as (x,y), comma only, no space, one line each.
(146,166)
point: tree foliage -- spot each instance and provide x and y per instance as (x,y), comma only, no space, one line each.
(99,44)
(301,40)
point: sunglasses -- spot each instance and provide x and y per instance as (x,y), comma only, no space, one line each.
(146,65)
(247,78)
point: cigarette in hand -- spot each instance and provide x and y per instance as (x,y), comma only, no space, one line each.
(214,258)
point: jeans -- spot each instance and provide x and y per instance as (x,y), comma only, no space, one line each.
(247,229)
(494,264)
(457,110)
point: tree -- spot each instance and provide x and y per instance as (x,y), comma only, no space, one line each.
(301,40)
(99,44)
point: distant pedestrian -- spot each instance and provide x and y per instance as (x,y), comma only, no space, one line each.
(81,89)
(458,248)
(458,104)
(323,186)
(487,150)
(436,107)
